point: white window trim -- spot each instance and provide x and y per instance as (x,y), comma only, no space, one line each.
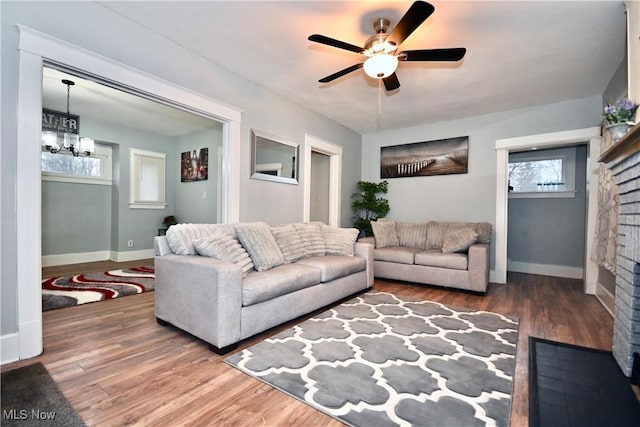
(103,152)
(138,204)
(568,156)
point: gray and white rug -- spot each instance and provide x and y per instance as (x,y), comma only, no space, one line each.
(382,360)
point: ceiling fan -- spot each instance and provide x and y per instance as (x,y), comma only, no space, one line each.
(381,49)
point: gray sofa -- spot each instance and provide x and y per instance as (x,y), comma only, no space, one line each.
(225,283)
(450,254)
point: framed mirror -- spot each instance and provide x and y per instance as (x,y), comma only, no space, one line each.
(273,158)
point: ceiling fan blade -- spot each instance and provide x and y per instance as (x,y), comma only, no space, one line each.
(391,82)
(453,54)
(416,15)
(340,73)
(319,38)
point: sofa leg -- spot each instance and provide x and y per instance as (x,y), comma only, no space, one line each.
(162,322)
(223,350)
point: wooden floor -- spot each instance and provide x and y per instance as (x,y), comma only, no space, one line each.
(117,366)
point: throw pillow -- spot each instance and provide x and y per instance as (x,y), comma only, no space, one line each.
(289,242)
(311,236)
(339,241)
(225,248)
(180,236)
(257,239)
(385,233)
(459,240)
(412,235)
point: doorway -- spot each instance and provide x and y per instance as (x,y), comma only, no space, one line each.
(590,136)
(320,183)
(334,154)
(35,48)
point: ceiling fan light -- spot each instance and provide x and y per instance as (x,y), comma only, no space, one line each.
(380,66)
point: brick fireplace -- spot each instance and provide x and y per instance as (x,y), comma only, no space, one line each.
(623,159)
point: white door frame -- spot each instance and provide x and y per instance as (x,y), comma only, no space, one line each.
(313,143)
(547,140)
(34,48)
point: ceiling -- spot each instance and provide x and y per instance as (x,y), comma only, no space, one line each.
(519,54)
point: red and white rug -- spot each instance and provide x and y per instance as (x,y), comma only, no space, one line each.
(59,292)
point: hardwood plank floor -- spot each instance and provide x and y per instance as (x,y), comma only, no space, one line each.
(117,366)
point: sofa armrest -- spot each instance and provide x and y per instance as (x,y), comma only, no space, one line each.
(200,295)
(479,267)
(161,246)
(365,250)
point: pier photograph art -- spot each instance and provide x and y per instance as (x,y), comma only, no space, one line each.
(438,157)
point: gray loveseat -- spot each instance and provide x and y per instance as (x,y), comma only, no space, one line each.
(225,283)
(450,254)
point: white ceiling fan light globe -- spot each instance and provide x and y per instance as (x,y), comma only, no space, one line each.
(380,66)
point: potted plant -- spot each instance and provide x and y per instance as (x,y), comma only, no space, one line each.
(367,206)
(618,117)
(168,221)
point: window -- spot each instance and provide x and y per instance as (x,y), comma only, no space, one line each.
(65,167)
(147,180)
(545,173)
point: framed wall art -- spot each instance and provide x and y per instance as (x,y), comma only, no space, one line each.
(194,165)
(438,157)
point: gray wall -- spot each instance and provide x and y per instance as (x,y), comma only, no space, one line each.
(191,205)
(550,231)
(87,218)
(139,225)
(76,218)
(94,27)
(471,196)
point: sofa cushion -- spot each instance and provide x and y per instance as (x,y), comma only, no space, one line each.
(281,280)
(412,235)
(385,233)
(257,239)
(180,236)
(335,266)
(400,254)
(339,241)
(226,248)
(311,236)
(289,242)
(459,240)
(435,258)
(437,230)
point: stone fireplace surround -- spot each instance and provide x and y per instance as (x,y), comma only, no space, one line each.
(623,159)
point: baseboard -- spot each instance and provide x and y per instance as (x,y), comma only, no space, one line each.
(9,348)
(565,271)
(132,255)
(76,258)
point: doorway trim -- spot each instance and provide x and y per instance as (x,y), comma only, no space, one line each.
(34,48)
(590,136)
(313,143)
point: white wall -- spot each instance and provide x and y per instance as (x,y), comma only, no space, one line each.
(471,196)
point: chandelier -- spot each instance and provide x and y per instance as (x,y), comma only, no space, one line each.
(54,142)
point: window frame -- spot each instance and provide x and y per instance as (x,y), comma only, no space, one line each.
(568,157)
(104,152)
(134,202)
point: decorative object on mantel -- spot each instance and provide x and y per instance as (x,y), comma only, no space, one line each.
(60,130)
(618,118)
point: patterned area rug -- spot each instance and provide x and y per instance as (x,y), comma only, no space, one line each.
(59,292)
(381,359)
